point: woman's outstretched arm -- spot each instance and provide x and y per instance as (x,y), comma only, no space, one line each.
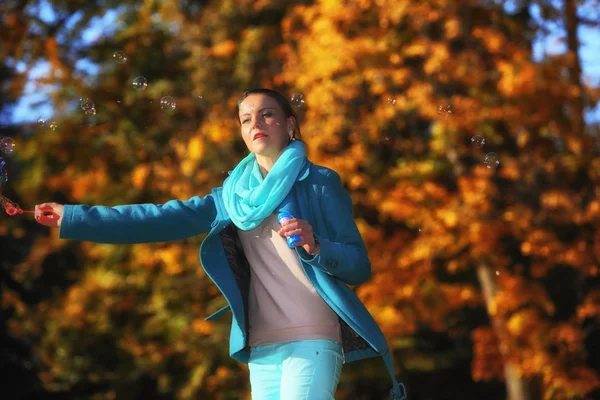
(127,224)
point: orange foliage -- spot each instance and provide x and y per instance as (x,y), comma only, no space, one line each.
(432,215)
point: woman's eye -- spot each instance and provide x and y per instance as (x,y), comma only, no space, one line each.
(267,114)
(244,121)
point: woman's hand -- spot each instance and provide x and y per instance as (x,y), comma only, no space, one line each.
(300,227)
(49,214)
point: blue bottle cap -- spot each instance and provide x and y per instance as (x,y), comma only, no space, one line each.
(283,214)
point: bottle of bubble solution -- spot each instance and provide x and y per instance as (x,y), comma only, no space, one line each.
(282,218)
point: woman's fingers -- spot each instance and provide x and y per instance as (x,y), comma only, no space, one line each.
(301,228)
(295,223)
(48,214)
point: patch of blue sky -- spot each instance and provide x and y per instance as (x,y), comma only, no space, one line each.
(589,53)
(35,102)
(31,104)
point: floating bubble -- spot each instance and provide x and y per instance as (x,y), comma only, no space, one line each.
(445,110)
(85,104)
(120,57)
(2,163)
(478,141)
(42,123)
(140,83)
(491,160)
(3,176)
(391,100)
(167,103)
(53,125)
(7,145)
(297,99)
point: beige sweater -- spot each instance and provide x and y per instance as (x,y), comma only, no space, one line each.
(283,305)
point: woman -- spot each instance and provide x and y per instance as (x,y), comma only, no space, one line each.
(295,321)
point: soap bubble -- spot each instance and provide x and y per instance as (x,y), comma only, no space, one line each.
(445,110)
(120,57)
(88,106)
(7,145)
(53,125)
(391,100)
(3,176)
(140,83)
(491,160)
(297,99)
(85,104)
(167,103)
(42,122)
(478,141)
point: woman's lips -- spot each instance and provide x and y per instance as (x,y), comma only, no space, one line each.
(259,136)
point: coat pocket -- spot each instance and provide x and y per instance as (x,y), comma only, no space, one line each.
(218,313)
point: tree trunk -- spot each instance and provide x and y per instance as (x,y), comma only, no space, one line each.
(574,65)
(516,386)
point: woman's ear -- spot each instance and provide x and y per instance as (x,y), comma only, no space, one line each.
(291,126)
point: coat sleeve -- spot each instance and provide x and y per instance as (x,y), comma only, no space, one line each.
(139,223)
(343,254)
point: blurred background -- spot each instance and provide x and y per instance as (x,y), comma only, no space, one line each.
(465,131)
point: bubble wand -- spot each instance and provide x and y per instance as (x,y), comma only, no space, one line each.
(13,208)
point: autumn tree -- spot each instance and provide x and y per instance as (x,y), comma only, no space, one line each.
(397,92)
(489,267)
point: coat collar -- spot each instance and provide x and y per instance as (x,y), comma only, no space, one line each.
(305,171)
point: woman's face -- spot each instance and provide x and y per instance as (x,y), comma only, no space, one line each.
(264,125)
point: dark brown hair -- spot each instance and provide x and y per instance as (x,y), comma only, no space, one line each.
(285,105)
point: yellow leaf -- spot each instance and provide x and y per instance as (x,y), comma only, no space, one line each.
(224,49)
(139,175)
(196,148)
(202,327)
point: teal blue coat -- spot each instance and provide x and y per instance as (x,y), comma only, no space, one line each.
(318,196)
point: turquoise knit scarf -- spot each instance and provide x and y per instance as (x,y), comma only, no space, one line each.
(249,198)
